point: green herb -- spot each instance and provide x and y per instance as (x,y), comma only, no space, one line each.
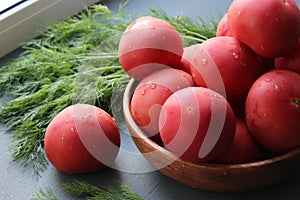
(75,61)
(44,195)
(192,31)
(121,192)
(91,192)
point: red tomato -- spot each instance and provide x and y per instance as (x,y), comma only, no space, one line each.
(270,28)
(152,92)
(197,124)
(82,138)
(149,44)
(244,148)
(225,65)
(223,27)
(273,110)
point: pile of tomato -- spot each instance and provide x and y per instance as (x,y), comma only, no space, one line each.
(234,98)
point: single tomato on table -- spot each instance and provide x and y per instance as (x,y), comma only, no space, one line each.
(82,138)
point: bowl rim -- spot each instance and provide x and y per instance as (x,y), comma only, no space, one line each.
(140,134)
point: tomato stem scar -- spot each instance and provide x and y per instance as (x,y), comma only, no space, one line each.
(296,101)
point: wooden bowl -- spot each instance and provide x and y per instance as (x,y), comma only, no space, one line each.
(210,177)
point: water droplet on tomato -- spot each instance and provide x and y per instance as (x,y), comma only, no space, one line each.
(72,130)
(143,92)
(235,55)
(267,89)
(262,47)
(153,86)
(248,116)
(284,81)
(201,49)
(204,62)
(195,61)
(277,88)
(239,13)
(268,80)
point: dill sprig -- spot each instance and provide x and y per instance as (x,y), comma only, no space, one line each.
(83,189)
(192,31)
(44,195)
(74,61)
(88,191)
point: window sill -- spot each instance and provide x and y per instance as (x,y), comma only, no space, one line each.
(28,20)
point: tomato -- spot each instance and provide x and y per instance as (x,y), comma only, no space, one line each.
(273,110)
(149,44)
(270,28)
(223,27)
(82,138)
(244,148)
(225,65)
(152,92)
(197,124)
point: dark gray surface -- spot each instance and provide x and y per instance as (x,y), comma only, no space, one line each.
(17,182)
(189,8)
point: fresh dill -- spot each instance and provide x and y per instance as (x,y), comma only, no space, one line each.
(74,61)
(88,191)
(192,31)
(44,195)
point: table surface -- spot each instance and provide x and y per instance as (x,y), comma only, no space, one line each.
(18,182)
